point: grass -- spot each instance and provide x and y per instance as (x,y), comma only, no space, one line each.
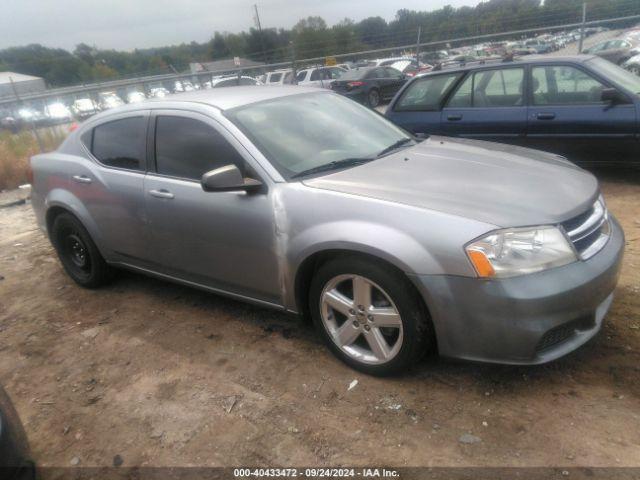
(16,149)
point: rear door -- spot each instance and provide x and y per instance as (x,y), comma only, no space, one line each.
(488,105)
(567,116)
(395,79)
(111,188)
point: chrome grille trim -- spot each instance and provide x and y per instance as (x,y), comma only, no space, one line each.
(591,234)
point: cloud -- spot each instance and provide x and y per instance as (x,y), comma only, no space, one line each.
(129,24)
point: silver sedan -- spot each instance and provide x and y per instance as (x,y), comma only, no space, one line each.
(304,201)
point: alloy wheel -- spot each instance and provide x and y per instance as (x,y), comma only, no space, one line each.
(361,319)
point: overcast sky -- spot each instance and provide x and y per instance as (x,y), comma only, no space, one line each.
(129,24)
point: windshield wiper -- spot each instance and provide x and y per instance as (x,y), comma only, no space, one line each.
(336,164)
(393,146)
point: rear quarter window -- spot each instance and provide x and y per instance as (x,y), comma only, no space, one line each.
(426,93)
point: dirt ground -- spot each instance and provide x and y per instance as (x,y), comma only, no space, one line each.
(164,375)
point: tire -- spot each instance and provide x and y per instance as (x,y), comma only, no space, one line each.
(353,333)
(78,254)
(373,98)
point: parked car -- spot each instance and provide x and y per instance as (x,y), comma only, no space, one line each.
(279,77)
(318,76)
(370,85)
(233,81)
(58,112)
(28,115)
(411,68)
(136,96)
(633,65)
(539,46)
(109,100)
(9,121)
(183,86)
(158,92)
(298,199)
(84,108)
(617,51)
(583,107)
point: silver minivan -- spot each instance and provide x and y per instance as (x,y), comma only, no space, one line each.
(301,200)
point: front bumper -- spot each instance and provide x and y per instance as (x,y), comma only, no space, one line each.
(529,319)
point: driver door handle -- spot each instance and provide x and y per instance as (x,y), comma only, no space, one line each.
(546,116)
(161,194)
(454,118)
(81,179)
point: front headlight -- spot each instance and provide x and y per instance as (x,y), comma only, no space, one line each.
(517,251)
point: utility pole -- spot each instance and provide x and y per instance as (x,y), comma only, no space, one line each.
(418,48)
(584,20)
(264,54)
(293,63)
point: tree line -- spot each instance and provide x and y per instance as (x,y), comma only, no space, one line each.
(310,37)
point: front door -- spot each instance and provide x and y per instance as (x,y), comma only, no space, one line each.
(567,116)
(488,105)
(223,240)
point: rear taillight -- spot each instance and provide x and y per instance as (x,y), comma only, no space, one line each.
(354,84)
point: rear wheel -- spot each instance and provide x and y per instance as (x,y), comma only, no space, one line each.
(369,315)
(78,253)
(373,98)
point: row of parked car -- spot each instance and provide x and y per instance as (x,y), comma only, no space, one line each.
(58,111)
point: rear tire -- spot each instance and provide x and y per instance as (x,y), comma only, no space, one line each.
(78,254)
(373,98)
(384,330)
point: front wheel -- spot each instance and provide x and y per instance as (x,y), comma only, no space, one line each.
(369,316)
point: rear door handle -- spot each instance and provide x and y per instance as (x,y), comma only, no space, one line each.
(161,194)
(454,118)
(546,116)
(82,179)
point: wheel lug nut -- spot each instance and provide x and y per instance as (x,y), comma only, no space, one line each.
(370,318)
(352,311)
(361,308)
(367,328)
(356,323)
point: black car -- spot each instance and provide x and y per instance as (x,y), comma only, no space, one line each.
(370,85)
(14,449)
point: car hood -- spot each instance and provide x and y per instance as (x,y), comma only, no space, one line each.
(499,184)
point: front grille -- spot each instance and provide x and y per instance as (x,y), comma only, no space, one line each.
(590,230)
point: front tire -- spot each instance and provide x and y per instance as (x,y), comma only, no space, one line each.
(370,316)
(78,253)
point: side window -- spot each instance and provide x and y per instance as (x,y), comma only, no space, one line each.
(426,93)
(498,88)
(247,81)
(463,96)
(335,72)
(227,83)
(315,75)
(121,143)
(564,85)
(189,148)
(275,78)
(300,76)
(393,73)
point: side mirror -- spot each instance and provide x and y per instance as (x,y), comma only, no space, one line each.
(612,96)
(227,179)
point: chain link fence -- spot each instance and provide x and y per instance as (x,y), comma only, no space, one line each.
(567,39)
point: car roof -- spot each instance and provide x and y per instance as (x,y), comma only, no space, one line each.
(523,60)
(221,98)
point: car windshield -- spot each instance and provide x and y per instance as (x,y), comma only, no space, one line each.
(302,132)
(619,75)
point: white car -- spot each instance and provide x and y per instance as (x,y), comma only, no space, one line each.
(279,77)
(109,100)
(84,107)
(58,112)
(319,76)
(158,92)
(232,81)
(135,97)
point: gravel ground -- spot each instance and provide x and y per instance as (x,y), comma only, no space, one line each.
(162,375)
